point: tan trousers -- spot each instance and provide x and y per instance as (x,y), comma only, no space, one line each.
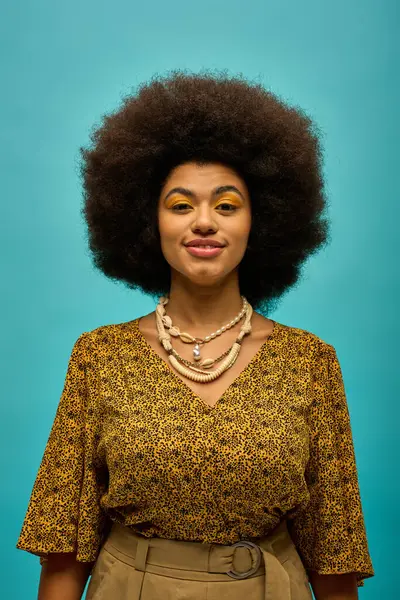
(133,567)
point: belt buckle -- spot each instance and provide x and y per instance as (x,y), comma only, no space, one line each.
(246,544)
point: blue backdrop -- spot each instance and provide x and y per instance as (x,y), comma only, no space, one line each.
(64,64)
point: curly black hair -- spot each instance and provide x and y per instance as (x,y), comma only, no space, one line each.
(205,118)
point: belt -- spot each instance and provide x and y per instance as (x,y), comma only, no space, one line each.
(277,582)
(155,555)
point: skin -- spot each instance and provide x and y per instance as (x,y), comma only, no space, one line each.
(203,212)
(63,578)
(204,295)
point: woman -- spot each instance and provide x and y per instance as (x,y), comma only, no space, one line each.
(203,423)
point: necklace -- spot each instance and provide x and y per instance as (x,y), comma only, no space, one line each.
(189,339)
(209,362)
(185,367)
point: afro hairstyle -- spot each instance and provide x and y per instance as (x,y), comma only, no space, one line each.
(184,117)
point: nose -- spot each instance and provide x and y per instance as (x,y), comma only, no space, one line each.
(204,221)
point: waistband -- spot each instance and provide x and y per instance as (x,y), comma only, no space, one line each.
(245,558)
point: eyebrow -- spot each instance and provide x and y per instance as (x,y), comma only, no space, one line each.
(219,190)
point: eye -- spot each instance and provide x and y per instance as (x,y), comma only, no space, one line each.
(181,206)
(227,207)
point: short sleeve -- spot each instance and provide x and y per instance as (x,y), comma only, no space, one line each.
(64,513)
(329,531)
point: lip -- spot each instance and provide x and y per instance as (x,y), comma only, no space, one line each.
(204,242)
(204,252)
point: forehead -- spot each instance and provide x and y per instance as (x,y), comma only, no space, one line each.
(203,177)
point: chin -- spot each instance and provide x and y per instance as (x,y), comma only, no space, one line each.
(206,277)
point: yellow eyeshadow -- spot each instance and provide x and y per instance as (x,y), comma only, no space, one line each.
(171,202)
(234,200)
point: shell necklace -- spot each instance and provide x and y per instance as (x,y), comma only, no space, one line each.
(185,367)
(189,339)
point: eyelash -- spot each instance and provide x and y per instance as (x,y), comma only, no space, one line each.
(176,207)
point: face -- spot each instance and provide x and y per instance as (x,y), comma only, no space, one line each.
(204,204)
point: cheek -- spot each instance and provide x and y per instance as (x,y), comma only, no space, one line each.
(166,228)
(171,236)
(241,231)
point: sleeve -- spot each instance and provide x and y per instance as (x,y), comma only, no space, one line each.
(64,513)
(329,531)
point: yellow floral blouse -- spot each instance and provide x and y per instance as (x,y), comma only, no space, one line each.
(132,443)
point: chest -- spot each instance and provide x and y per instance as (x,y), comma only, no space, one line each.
(211,392)
(251,422)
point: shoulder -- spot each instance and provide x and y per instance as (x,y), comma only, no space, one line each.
(306,340)
(290,334)
(107,335)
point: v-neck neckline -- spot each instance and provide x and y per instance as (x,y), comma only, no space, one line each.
(174,377)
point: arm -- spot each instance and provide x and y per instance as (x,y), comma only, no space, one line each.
(63,578)
(334,587)
(328,530)
(64,520)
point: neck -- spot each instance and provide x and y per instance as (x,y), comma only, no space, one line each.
(202,309)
